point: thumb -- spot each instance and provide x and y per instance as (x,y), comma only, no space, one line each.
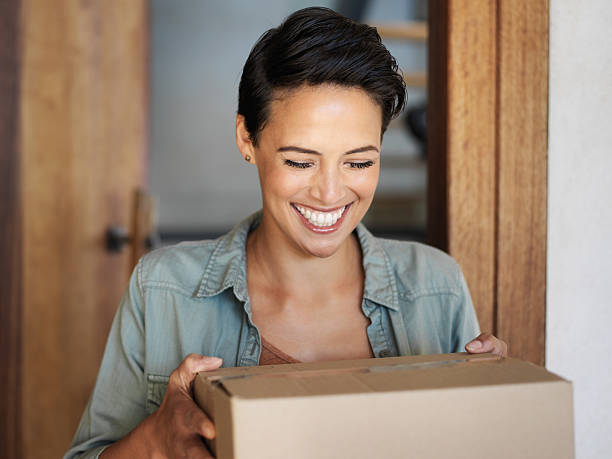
(474,345)
(203,363)
(185,373)
(482,343)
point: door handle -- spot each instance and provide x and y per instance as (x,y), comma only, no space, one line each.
(117,238)
(144,236)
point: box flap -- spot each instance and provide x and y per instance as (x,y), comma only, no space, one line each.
(375,375)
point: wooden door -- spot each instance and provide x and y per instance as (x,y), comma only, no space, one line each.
(78,158)
(487,153)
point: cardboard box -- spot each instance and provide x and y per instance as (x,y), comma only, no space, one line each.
(437,406)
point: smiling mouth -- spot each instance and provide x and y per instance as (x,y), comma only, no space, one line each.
(319,221)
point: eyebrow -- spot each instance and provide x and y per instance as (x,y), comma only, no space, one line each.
(315,152)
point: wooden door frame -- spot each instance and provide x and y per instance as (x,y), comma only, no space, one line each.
(10,233)
(487,154)
(48,120)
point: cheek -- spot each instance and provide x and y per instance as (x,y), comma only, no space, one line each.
(365,185)
(277,181)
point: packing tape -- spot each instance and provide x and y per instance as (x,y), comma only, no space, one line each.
(371,369)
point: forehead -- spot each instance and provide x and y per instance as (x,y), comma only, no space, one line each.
(324,111)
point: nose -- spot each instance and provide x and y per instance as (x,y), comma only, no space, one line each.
(328,185)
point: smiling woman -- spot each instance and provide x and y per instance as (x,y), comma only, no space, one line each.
(301,280)
(318,160)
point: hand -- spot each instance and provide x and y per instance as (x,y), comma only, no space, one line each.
(486,342)
(177,427)
(179,424)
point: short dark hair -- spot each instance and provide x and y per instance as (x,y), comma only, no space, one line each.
(315,46)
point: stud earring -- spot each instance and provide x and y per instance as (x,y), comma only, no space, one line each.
(247,158)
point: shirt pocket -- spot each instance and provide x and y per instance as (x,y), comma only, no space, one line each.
(156,388)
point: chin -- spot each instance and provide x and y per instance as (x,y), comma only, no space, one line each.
(320,246)
(322,251)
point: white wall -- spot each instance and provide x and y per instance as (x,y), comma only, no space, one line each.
(579,286)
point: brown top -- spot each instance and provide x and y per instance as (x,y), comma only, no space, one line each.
(271,355)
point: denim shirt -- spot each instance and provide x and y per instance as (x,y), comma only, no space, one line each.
(193,298)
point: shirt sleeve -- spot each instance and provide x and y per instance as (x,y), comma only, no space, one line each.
(465,327)
(118,401)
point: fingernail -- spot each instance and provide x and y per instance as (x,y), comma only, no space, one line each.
(474,345)
(212,360)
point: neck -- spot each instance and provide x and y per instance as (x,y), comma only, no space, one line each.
(274,262)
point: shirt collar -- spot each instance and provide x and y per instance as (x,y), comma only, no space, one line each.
(227,266)
(380,284)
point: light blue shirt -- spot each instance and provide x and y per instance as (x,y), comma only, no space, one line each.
(193,298)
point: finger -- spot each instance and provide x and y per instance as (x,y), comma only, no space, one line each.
(493,344)
(195,448)
(485,342)
(197,422)
(193,363)
(501,348)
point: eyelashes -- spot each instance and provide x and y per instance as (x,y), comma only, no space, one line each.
(362,165)
(297,164)
(306,165)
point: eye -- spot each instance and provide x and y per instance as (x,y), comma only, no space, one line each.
(361,165)
(299,165)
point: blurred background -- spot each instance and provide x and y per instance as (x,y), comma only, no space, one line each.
(197,176)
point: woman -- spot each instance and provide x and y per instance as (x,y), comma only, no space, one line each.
(301,280)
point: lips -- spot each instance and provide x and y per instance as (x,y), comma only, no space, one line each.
(320,221)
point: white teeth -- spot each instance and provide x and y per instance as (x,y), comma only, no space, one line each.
(321,218)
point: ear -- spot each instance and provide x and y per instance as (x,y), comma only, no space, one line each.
(243,140)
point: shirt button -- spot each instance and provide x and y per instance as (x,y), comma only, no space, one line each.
(384,353)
